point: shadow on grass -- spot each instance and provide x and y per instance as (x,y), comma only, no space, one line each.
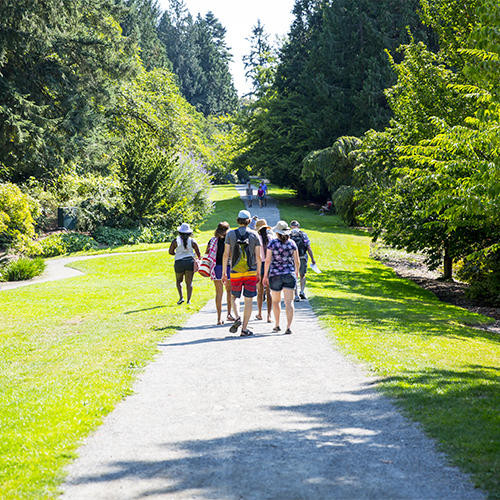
(356,446)
(459,408)
(143,310)
(380,300)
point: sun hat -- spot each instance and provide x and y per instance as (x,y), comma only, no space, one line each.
(281,228)
(184,228)
(260,224)
(244,214)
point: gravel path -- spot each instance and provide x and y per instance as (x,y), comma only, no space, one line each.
(217,416)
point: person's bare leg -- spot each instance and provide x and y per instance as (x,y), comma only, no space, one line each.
(260,299)
(302,284)
(229,302)
(219,292)
(189,285)
(236,306)
(178,283)
(247,312)
(269,304)
(276,307)
(288,297)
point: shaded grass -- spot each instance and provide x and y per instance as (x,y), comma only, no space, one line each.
(439,370)
(71,351)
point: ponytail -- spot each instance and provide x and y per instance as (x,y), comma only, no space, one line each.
(184,237)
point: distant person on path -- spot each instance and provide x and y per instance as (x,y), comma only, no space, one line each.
(264,188)
(249,194)
(253,222)
(304,247)
(242,248)
(265,235)
(280,273)
(215,252)
(327,208)
(184,248)
(260,195)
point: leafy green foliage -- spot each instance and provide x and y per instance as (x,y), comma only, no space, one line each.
(22,269)
(18,212)
(110,236)
(482,271)
(60,244)
(330,82)
(61,64)
(326,170)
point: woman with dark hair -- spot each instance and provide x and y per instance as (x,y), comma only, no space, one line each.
(184,247)
(215,252)
(265,235)
(280,273)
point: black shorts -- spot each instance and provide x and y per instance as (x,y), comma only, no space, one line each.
(183,265)
(277,283)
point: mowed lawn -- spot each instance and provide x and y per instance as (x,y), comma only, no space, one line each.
(440,369)
(71,350)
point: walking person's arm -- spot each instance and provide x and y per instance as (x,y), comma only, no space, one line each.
(196,249)
(172,248)
(297,262)
(267,264)
(310,252)
(225,260)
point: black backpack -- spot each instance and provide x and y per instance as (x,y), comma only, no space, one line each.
(298,237)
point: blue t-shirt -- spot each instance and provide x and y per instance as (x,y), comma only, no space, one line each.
(282,261)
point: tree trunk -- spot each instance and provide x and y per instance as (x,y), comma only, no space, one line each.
(447,263)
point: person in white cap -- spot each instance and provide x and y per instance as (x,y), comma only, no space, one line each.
(242,247)
(184,248)
(280,273)
(304,246)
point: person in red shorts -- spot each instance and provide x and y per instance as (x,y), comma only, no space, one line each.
(241,247)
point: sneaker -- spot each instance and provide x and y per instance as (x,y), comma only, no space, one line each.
(180,301)
(302,295)
(235,326)
(297,299)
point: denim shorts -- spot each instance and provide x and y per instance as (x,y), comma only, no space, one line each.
(218,271)
(280,281)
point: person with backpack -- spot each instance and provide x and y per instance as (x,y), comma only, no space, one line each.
(184,248)
(242,247)
(280,273)
(304,247)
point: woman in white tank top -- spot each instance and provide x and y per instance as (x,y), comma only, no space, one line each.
(184,249)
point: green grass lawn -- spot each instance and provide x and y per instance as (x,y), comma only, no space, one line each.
(440,370)
(71,351)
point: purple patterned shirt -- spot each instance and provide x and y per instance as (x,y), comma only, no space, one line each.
(282,261)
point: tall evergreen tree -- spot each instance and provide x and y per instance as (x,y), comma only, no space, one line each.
(200,59)
(141,23)
(331,78)
(60,62)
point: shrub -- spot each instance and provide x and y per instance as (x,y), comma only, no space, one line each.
(23,269)
(18,212)
(345,204)
(60,244)
(482,271)
(111,236)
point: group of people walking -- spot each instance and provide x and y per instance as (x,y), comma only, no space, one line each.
(261,194)
(264,263)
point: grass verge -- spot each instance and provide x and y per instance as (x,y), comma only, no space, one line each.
(71,351)
(438,369)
